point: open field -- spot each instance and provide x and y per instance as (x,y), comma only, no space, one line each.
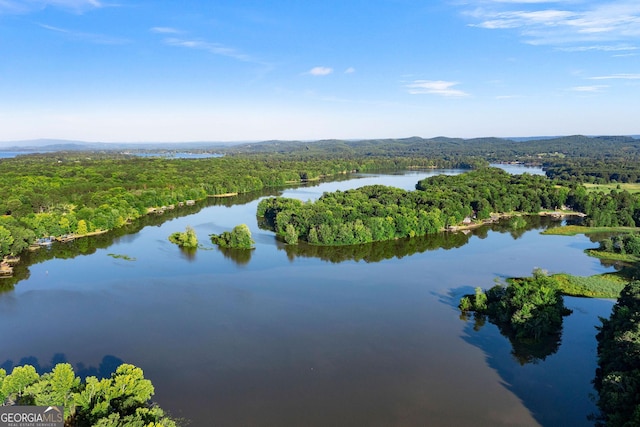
(606,188)
(572,230)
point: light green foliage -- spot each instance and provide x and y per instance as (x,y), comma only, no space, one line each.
(122,400)
(6,240)
(238,238)
(187,239)
(598,286)
(20,378)
(56,388)
(143,417)
(291,235)
(129,388)
(82,227)
(3,375)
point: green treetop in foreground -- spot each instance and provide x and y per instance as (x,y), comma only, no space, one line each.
(238,238)
(120,401)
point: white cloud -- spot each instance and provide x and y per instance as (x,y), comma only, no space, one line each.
(320,71)
(595,88)
(164,30)
(621,76)
(211,47)
(526,1)
(86,37)
(350,70)
(587,21)
(604,48)
(435,87)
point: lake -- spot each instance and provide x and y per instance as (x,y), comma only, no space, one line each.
(291,336)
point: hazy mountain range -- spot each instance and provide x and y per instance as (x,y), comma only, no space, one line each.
(71,145)
(39,145)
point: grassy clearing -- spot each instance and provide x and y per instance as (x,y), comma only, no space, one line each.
(572,230)
(606,285)
(612,256)
(631,187)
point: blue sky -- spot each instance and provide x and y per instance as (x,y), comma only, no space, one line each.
(232,70)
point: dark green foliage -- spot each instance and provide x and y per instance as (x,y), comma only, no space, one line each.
(122,400)
(618,375)
(238,238)
(464,152)
(187,239)
(377,213)
(626,244)
(613,209)
(531,308)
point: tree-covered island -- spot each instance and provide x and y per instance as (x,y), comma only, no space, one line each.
(185,239)
(238,238)
(376,213)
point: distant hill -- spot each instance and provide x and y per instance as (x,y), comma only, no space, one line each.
(489,148)
(71,145)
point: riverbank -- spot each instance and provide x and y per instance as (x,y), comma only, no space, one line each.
(495,217)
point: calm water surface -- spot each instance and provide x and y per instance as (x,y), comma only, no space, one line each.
(281,337)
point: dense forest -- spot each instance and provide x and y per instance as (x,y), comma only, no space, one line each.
(378,213)
(489,149)
(618,375)
(80,193)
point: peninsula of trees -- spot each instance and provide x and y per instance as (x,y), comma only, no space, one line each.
(376,213)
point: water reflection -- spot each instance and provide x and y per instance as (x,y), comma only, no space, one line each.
(534,378)
(523,351)
(239,256)
(399,248)
(106,367)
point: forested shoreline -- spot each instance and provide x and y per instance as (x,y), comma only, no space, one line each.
(79,193)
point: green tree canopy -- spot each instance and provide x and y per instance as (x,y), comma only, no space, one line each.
(238,238)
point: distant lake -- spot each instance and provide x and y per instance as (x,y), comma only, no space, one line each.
(519,168)
(177,155)
(11,154)
(302,336)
